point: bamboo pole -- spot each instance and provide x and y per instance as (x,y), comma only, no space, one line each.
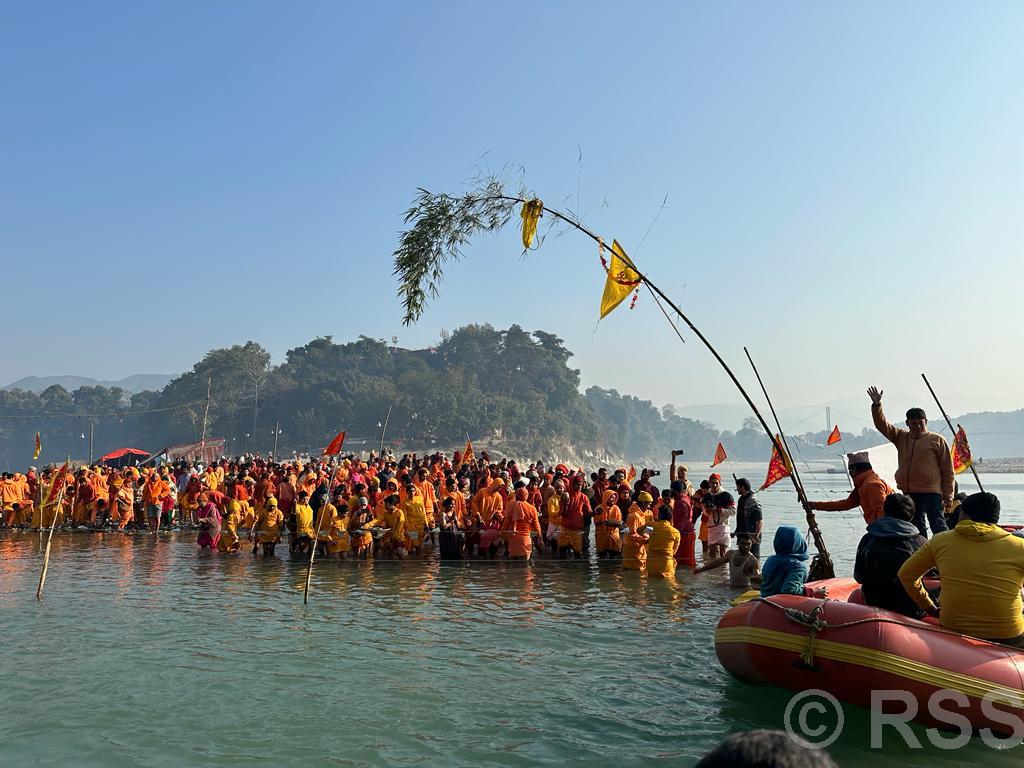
(950,424)
(812,521)
(62,476)
(316,541)
(206,415)
(384,430)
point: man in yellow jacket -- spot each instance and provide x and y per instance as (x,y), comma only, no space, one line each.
(982,568)
(302,541)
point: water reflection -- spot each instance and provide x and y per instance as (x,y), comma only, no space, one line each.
(478,663)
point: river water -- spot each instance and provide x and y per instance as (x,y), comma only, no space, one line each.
(145,651)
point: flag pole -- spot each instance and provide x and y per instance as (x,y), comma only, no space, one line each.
(812,521)
(385,429)
(63,477)
(316,541)
(952,431)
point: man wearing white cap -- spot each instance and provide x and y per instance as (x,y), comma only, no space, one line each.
(869,490)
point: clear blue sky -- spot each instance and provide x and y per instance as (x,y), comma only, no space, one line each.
(844,182)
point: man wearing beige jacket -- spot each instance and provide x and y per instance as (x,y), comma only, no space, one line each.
(925,470)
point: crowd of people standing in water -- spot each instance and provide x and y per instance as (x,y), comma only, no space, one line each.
(390,507)
(465,506)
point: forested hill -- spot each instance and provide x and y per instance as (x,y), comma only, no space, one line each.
(510,390)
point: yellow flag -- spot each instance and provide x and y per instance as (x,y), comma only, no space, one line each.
(39,448)
(622,279)
(531,213)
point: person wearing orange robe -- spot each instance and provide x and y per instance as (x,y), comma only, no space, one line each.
(634,547)
(122,501)
(523,524)
(10,495)
(154,490)
(488,501)
(607,522)
(573,515)
(662,546)
(85,498)
(426,489)
(358,523)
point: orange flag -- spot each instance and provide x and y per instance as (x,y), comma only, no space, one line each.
(39,448)
(835,437)
(467,455)
(778,468)
(720,455)
(961,451)
(631,475)
(335,447)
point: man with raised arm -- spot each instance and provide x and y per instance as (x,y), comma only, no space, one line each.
(925,464)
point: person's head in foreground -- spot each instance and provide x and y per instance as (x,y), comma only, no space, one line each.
(764,749)
(981,508)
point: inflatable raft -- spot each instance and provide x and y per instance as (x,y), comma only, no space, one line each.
(849,649)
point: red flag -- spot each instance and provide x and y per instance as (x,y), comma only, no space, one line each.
(778,468)
(631,475)
(961,451)
(720,455)
(835,437)
(335,447)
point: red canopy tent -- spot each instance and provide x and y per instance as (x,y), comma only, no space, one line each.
(123,457)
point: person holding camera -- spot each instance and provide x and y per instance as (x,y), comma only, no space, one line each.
(680,474)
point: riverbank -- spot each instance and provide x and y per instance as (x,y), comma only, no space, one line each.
(1000,466)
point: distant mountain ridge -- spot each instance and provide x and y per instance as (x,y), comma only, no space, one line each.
(139,382)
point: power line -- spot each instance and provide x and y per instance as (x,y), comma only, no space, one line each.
(38,415)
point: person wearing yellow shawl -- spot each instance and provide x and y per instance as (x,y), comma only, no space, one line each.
(393,518)
(415,519)
(268,526)
(304,532)
(229,541)
(634,547)
(661,548)
(333,524)
(211,479)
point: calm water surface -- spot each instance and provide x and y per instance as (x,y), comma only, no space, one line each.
(145,651)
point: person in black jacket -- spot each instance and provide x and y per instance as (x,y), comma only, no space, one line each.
(889,542)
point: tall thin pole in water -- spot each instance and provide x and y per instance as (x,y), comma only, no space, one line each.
(316,540)
(62,477)
(385,429)
(950,425)
(812,521)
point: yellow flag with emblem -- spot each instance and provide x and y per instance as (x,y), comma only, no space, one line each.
(622,279)
(531,212)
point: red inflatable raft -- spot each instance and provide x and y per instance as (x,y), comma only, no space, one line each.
(849,649)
